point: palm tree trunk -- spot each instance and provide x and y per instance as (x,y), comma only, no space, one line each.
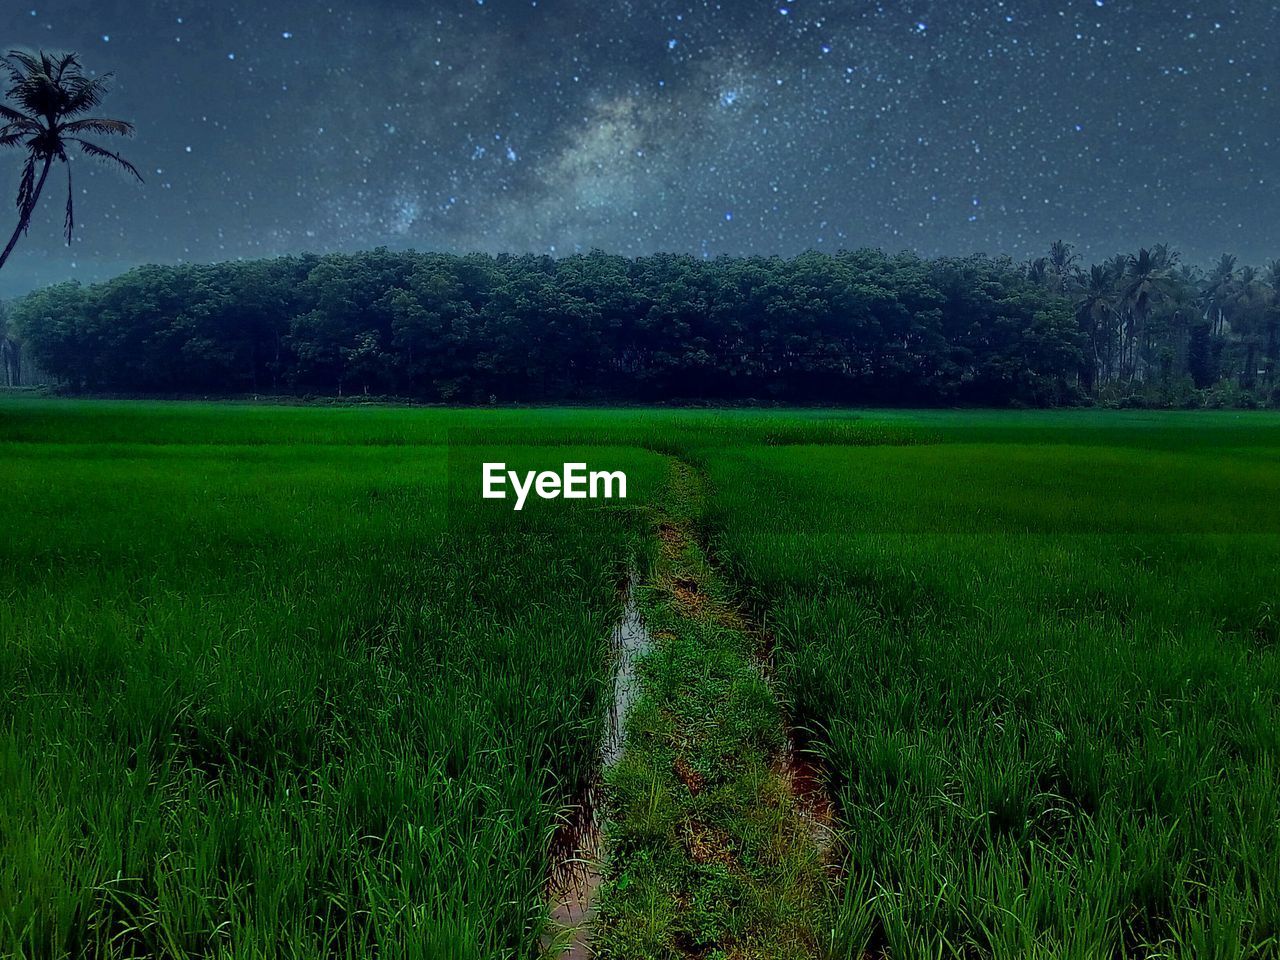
(1249,379)
(24,215)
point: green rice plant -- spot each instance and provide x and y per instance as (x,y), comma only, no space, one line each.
(1042,672)
(269,687)
(282,700)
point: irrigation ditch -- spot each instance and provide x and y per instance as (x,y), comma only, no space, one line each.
(711,833)
(578,868)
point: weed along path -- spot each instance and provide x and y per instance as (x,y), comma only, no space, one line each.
(710,846)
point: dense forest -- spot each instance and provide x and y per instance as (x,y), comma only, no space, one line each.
(853,327)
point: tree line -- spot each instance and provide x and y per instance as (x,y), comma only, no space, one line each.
(852,327)
(1162,333)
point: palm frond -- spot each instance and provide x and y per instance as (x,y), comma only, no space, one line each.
(100,125)
(100,153)
(40,96)
(59,67)
(51,85)
(23,62)
(27,126)
(12,116)
(84,94)
(27,185)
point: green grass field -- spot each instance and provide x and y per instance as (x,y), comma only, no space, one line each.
(274,683)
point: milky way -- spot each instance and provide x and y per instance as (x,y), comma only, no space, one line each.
(708,128)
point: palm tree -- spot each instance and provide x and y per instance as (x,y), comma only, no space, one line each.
(1095,312)
(1059,272)
(1147,278)
(1063,267)
(1218,292)
(1273,321)
(50,96)
(1250,307)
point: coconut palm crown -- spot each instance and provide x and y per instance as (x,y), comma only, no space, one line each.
(46,112)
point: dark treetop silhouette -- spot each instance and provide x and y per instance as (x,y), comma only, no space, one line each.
(49,96)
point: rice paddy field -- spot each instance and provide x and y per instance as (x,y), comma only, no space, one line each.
(275,682)
(1041,667)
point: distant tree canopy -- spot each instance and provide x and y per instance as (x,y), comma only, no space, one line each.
(856,327)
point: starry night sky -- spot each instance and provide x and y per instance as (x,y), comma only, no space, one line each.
(740,126)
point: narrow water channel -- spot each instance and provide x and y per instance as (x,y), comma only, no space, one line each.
(573,892)
(630,642)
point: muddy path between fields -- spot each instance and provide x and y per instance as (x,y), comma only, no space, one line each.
(696,619)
